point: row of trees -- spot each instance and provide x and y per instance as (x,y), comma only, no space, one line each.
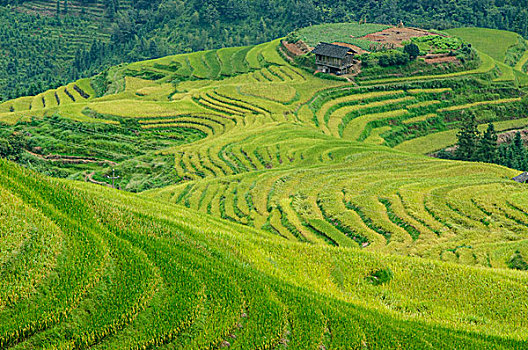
(484,147)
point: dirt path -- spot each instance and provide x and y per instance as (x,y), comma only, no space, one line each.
(72,159)
(89,178)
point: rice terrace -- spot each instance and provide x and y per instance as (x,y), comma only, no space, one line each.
(344,186)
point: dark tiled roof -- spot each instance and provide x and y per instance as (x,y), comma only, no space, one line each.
(521,178)
(331,50)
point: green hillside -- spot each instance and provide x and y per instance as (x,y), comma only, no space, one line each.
(54,41)
(491,41)
(106,269)
(507,48)
(284,211)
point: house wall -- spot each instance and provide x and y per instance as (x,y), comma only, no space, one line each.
(334,65)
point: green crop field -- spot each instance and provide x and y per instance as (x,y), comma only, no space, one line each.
(342,32)
(277,209)
(491,41)
(508,49)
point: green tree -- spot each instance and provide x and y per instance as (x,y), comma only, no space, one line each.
(12,146)
(412,50)
(58,8)
(5,148)
(468,138)
(487,146)
(518,153)
(66,7)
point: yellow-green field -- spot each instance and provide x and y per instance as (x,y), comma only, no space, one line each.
(309,216)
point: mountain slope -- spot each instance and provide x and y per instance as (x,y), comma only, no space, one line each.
(292,222)
(145,29)
(124,272)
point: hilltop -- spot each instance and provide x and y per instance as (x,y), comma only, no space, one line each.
(86,37)
(285,209)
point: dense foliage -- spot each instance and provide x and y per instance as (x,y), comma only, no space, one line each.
(36,52)
(12,145)
(474,146)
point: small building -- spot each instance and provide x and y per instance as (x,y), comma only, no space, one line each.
(523,178)
(331,58)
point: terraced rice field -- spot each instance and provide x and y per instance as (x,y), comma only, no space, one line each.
(112,270)
(75,7)
(280,224)
(498,44)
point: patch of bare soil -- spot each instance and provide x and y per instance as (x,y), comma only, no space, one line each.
(450,59)
(503,137)
(297,49)
(439,58)
(509,135)
(396,36)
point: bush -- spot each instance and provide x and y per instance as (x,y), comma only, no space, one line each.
(412,50)
(393,58)
(380,276)
(293,37)
(384,59)
(306,61)
(100,83)
(5,148)
(12,146)
(517,262)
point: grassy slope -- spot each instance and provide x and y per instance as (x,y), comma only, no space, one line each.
(496,44)
(125,271)
(522,62)
(493,42)
(277,285)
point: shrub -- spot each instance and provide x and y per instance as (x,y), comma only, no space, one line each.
(306,61)
(5,148)
(393,58)
(100,84)
(384,59)
(12,146)
(517,262)
(293,37)
(412,50)
(380,276)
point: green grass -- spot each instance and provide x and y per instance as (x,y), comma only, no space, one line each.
(522,62)
(506,73)
(342,32)
(122,255)
(493,42)
(276,92)
(480,103)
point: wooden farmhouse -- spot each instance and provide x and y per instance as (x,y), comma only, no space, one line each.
(331,58)
(523,178)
